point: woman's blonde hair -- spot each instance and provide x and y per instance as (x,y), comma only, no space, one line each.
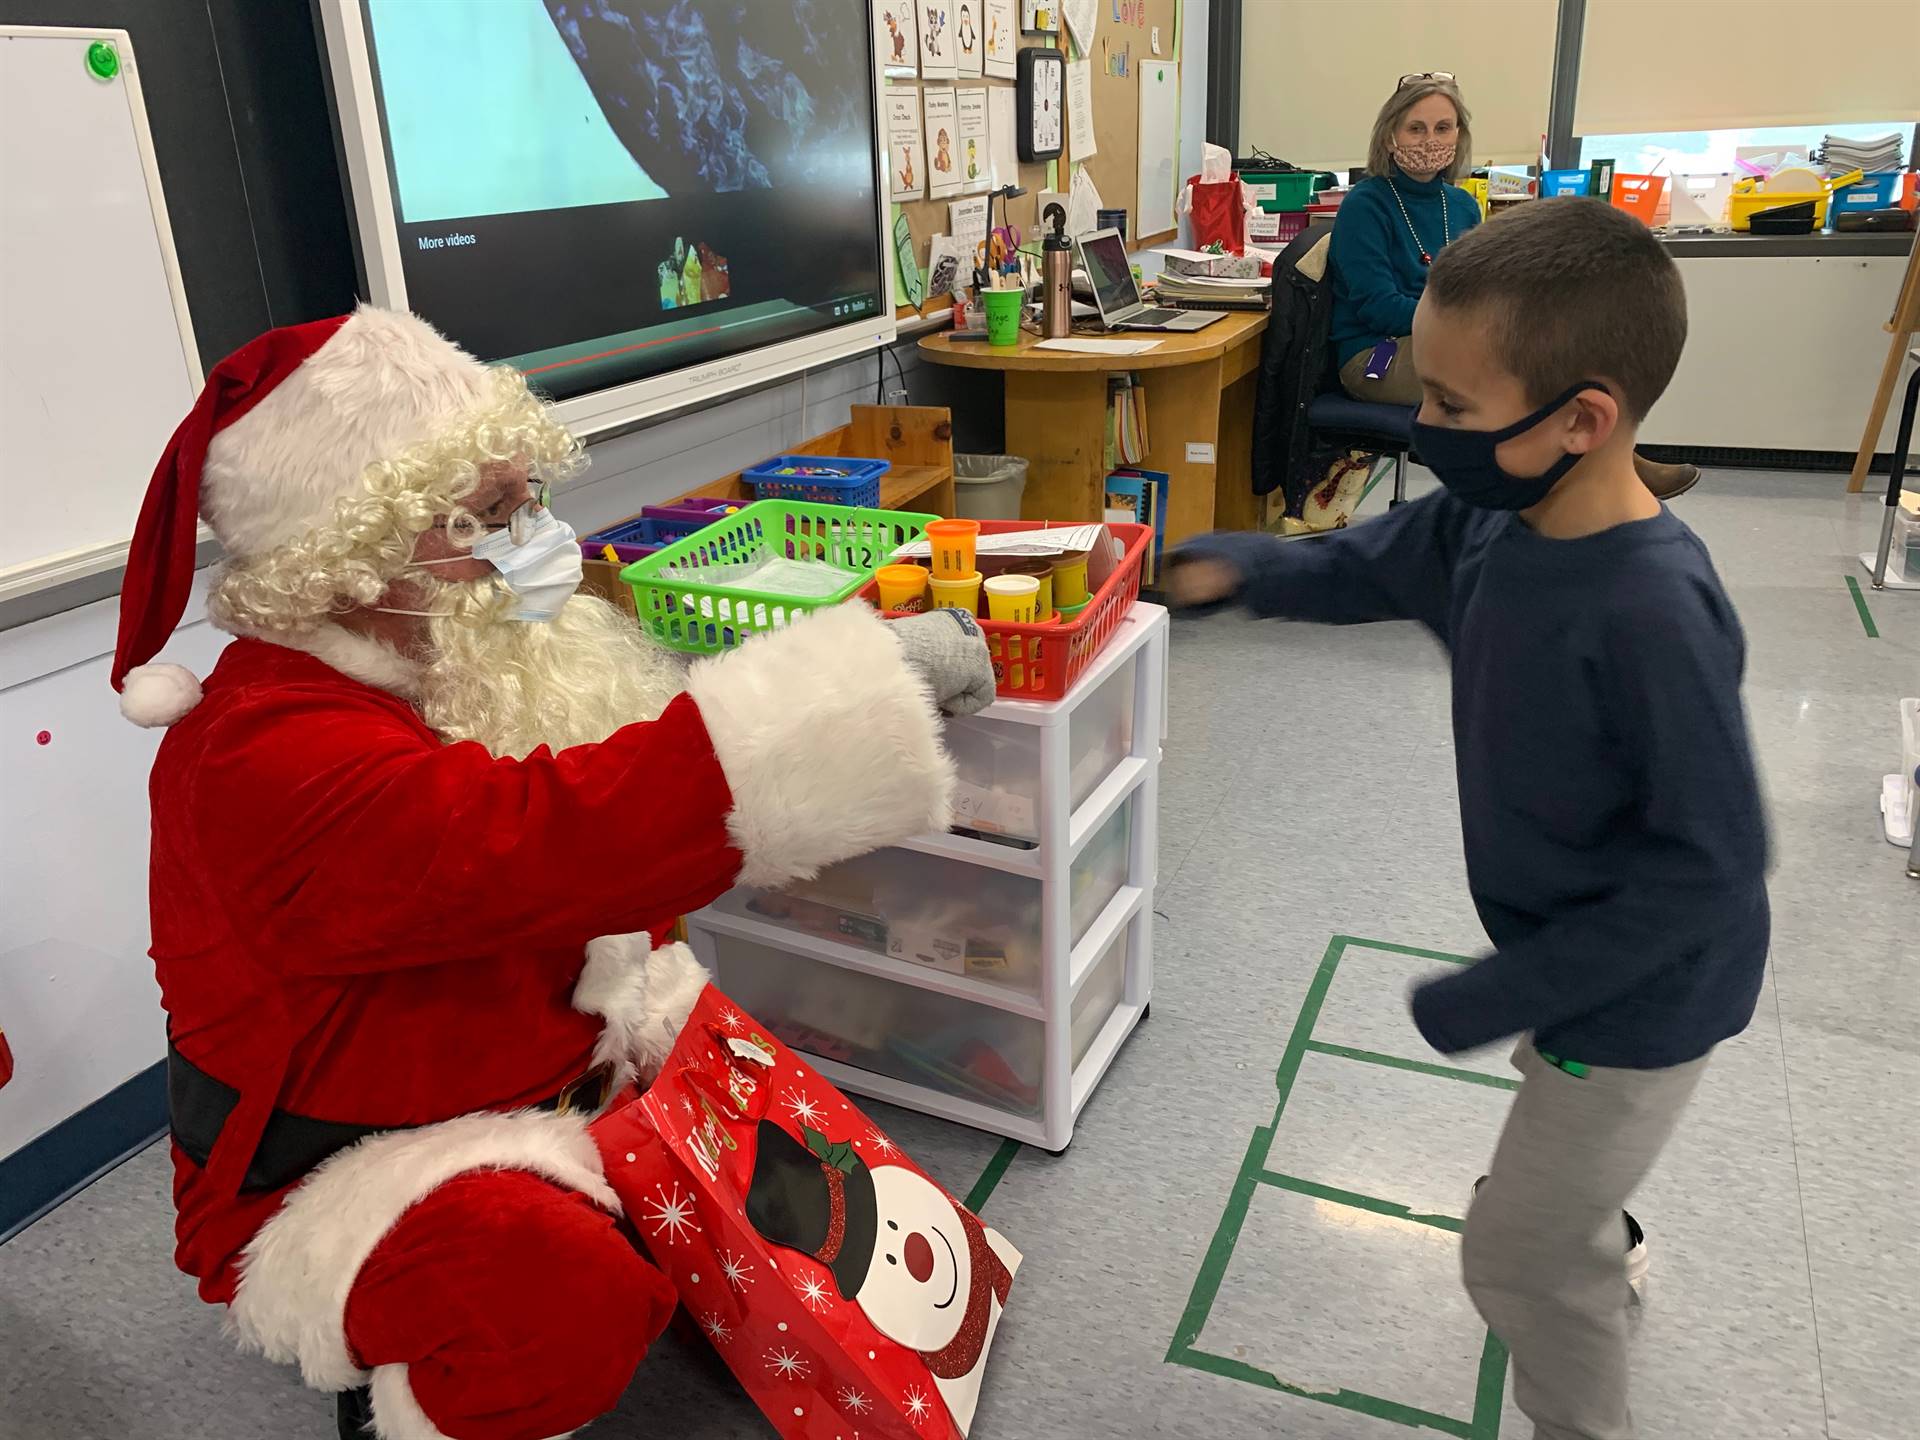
(369,542)
(1380,147)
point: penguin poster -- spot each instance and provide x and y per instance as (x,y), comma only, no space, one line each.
(845,1290)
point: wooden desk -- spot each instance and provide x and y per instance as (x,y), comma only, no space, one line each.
(1200,390)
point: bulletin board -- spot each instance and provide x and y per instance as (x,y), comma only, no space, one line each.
(1122,41)
(928,218)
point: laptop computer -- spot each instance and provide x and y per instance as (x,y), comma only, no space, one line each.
(1103,254)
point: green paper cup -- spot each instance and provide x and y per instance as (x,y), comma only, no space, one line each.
(1003,316)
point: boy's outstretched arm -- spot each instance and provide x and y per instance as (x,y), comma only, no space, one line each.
(1691,861)
(1398,567)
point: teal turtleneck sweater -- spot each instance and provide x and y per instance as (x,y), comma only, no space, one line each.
(1377,271)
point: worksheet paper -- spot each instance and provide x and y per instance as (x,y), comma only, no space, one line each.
(893,22)
(943,141)
(936,39)
(1083,204)
(1100,347)
(969,39)
(1002,40)
(906,164)
(1003,135)
(976,163)
(1081,17)
(1080,141)
(967,221)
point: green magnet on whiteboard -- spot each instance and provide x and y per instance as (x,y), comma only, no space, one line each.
(103,61)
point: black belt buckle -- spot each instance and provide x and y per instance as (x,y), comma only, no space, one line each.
(587,1094)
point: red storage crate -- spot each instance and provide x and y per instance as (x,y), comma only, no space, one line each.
(1041,662)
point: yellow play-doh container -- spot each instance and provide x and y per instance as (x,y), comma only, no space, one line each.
(961,594)
(1012,598)
(1070,581)
(954,543)
(902,587)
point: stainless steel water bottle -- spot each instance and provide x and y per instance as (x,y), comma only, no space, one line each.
(1056,276)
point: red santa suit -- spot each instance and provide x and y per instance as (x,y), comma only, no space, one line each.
(366,935)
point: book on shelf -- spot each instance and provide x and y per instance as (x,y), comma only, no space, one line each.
(1139,497)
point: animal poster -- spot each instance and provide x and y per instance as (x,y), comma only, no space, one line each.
(899,36)
(937,45)
(969,37)
(943,141)
(906,156)
(976,155)
(1001,42)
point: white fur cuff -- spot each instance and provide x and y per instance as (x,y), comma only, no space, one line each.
(829,743)
(644,995)
(297,1272)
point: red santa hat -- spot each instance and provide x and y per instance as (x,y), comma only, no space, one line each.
(285,427)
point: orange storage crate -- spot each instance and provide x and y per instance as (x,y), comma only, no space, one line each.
(1639,196)
(1041,662)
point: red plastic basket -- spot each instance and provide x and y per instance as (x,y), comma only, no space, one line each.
(1041,662)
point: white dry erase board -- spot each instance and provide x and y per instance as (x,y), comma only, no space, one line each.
(97,359)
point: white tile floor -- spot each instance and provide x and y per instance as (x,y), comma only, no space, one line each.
(1308,793)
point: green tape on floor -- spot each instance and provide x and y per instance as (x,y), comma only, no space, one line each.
(1860,604)
(1490,1381)
(989,1180)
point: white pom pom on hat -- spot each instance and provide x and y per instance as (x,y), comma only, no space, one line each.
(155,696)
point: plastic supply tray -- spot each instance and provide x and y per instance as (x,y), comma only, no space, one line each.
(1747,200)
(1042,662)
(684,613)
(1555,184)
(1876,192)
(1279,191)
(841,481)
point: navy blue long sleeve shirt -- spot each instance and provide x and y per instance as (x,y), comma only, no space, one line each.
(1615,840)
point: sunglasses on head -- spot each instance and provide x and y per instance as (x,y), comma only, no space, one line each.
(1444,76)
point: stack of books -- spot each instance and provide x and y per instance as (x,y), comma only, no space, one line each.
(1214,292)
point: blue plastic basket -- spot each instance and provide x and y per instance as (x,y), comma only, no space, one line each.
(1875,192)
(825,480)
(1555,183)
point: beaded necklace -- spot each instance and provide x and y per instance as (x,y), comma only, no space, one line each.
(1446,227)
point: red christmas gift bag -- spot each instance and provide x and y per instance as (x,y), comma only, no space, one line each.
(850,1294)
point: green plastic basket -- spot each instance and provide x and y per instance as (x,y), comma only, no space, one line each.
(684,613)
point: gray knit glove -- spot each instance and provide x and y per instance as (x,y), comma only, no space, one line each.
(947,651)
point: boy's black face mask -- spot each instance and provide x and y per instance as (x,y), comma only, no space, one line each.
(1464,461)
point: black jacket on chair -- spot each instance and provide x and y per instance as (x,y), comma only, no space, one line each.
(1296,363)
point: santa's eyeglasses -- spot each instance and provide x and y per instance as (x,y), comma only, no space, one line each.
(519,525)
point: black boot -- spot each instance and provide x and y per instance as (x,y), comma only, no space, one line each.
(353,1412)
(1665,481)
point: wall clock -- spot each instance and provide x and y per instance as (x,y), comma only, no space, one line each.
(1041,112)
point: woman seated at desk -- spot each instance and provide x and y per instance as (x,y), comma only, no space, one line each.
(1385,235)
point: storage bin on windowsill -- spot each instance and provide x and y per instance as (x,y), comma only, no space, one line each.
(1042,662)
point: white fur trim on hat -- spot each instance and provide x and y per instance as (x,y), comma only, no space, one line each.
(297,1271)
(155,696)
(644,995)
(829,743)
(384,380)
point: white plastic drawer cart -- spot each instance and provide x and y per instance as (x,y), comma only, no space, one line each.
(990,975)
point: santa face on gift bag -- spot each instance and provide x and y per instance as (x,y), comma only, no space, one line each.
(924,1270)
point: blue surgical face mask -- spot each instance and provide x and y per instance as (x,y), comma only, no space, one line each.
(543,570)
(1464,459)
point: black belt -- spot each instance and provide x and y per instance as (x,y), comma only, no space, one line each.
(292,1145)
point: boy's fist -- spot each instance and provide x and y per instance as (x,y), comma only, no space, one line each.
(1196,582)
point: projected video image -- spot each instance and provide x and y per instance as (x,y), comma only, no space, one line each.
(572,177)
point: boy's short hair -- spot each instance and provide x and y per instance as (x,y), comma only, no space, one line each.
(1574,290)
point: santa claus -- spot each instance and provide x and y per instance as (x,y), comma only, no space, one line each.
(409,843)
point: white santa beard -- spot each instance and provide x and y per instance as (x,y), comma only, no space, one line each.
(515,685)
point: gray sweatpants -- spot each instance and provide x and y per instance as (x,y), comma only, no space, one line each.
(1545,1247)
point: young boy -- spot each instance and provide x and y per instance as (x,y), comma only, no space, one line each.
(1615,843)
